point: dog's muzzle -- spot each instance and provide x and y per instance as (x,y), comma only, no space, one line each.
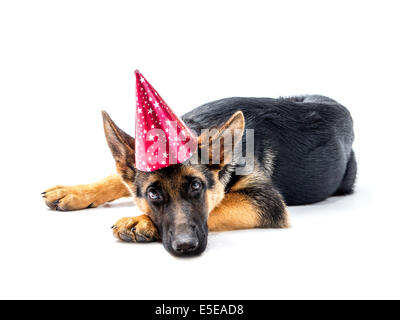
(187,240)
(185,244)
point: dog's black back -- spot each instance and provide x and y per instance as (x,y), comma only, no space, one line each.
(304,144)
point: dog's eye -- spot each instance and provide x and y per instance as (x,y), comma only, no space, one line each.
(153,194)
(195,185)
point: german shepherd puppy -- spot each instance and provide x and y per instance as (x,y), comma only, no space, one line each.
(302,154)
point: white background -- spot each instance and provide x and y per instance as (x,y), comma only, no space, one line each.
(61,62)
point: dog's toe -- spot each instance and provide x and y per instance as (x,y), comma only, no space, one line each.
(53,204)
(52,198)
(52,189)
(126,237)
(142,238)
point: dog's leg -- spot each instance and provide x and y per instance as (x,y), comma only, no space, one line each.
(247,209)
(136,229)
(84,196)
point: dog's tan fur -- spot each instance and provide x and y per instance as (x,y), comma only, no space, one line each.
(135,229)
(233,213)
(66,198)
(216,195)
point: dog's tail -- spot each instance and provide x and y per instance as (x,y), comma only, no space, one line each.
(349,179)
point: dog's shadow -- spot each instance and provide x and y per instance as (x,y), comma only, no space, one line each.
(360,198)
(126,203)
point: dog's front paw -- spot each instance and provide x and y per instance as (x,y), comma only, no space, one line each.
(135,229)
(66,198)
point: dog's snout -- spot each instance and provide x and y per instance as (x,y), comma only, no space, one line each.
(185,244)
(186,239)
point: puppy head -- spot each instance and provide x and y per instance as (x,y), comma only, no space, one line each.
(178,198)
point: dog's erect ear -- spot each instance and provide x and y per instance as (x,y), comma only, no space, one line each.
(121,144)
(221,142)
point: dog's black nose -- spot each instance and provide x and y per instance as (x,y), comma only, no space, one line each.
(185,244)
